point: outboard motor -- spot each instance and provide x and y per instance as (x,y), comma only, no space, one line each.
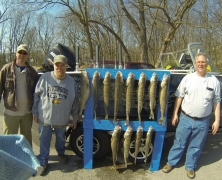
(57,50)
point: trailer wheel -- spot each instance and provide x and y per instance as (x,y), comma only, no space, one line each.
(100,143)
(141,155)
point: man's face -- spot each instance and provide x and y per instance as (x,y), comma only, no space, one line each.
(21,57)
(201,64)
(60,70)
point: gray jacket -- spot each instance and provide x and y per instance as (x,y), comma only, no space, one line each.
(55,100)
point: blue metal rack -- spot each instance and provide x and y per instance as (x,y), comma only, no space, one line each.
(89,123)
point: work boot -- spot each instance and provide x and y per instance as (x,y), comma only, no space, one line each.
(190,173)
(63,158)
(42,170)
(167,168)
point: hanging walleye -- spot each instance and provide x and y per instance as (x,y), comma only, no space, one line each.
(95,85)
(117,93)
(140,94)
(163,98)
(106,92)
(129,95)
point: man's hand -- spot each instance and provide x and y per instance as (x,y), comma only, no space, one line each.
(73,125)
(35,119)
(174,119)
(215,127)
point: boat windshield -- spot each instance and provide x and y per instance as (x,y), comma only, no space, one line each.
(195,48)
(184,59)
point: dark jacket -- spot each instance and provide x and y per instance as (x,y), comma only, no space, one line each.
(8,85)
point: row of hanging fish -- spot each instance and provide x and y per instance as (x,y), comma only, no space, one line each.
(115,140)
(118,90)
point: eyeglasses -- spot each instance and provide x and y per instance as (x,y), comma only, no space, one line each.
(23,52)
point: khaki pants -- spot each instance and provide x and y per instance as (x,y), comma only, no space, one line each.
(12,124)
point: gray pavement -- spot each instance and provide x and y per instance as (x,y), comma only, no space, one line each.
(209,166)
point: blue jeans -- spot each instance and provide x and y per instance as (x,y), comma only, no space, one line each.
(189,131)
(45,139)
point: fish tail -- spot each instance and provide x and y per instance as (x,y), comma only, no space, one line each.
(125,159)
(161,121)
(145,159)
(151,115)
(135,160)
(114,164)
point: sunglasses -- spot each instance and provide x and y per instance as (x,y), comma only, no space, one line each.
(23,52)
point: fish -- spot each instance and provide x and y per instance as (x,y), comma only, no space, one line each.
(126,144)
(115,143)
(84,93)
(95,85)
(139,135)
(106,92)
(117,93)
(163,98)
(129,94)
(152,94)
(140,94)
(149,135)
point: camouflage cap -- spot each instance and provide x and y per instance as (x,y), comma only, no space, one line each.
(60,58)
(22,47)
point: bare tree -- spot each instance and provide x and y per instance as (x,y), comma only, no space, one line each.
(109,16)
(172,17)
(79,10)
(145,29)
(5,12)
(140,27)
(46,30)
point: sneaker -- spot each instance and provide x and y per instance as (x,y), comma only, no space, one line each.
(167,168)
(63,158)
(190,174)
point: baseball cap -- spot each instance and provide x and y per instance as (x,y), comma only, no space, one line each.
(60,58)
(22,47)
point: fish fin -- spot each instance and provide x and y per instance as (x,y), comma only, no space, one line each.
(161,121)
(151,116)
